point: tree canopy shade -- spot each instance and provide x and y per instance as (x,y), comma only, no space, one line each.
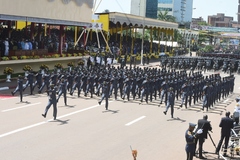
(165,17)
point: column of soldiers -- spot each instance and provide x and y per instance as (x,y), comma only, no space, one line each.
(147,84)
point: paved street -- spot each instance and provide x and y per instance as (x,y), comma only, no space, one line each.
(86,131)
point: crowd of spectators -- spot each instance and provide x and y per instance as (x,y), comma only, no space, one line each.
(20,40)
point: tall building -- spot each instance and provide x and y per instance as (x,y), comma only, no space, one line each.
(181,9)
(145,8)
(138,7)
(152,8)
(220,20)
(239,12)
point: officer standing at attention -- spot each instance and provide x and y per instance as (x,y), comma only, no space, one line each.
(226,124)
(51,101)
(19,87)
(206,126)
(170,101)
(190,140)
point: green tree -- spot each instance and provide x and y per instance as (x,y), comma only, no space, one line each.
(163,16)
(178,38)
(203,24)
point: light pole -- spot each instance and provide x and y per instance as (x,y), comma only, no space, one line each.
(143,32)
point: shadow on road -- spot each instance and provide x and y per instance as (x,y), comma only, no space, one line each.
(112,111)
(62,122)
(177,119)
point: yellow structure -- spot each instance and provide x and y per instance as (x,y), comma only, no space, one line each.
(21,24)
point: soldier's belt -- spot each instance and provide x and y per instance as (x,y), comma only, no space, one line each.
(190,143)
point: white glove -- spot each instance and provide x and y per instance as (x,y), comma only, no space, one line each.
(200,131)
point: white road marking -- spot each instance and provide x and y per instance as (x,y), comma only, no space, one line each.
(22,129)
(134,121)
(44,122)
(225,101)
(11,109)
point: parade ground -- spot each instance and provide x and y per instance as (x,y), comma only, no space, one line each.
(84,130)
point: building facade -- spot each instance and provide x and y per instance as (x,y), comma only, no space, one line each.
(239,12)
(145,8)
(181,9)
(138,7)
(220,20)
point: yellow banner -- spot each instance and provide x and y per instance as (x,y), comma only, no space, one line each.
(104,19)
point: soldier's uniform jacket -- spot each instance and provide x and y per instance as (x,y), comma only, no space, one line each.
(190,141)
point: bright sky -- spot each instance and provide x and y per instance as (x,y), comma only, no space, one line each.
(203,7)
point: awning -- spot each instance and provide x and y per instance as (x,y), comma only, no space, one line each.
(139,21)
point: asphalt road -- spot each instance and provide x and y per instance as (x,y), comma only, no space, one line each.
(84,130)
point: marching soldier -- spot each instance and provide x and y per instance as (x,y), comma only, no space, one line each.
(46,82)
(105,94)
(170,101)
(29,82)
(51,101)
(205,96)
(19,87)
(38,81)
(184,94)
(63,90)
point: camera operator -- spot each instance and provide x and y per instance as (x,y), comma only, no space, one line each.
(205,125)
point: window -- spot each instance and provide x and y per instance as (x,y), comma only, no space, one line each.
(165,1)
(164,9)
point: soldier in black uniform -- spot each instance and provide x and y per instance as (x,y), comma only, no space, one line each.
(105,94)
(205,96)
(144,90)
(29,82)
(19,87)
(63,90)
(46,82)
(51,101)
(38,81)
(184,92)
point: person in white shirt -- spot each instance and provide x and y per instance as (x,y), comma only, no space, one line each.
(6,43)
(98,60)
(26,46)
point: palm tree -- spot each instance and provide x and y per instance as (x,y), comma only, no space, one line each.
(165,17)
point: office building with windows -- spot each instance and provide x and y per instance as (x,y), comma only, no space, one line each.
(145,8)
(181,9)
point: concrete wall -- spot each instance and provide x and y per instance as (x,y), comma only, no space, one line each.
(68,10)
